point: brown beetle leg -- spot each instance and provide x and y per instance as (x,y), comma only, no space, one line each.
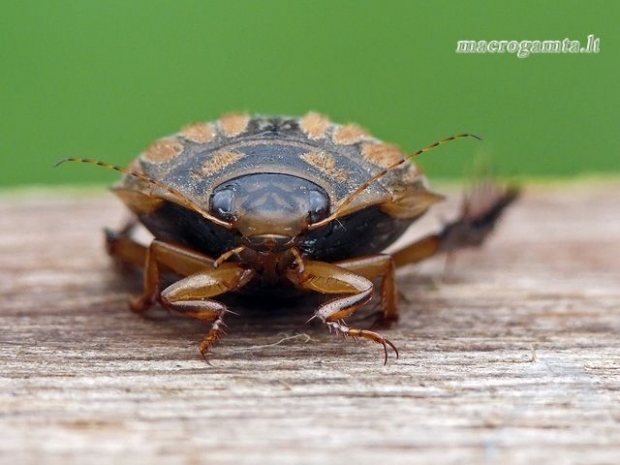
(480,212)
(332,279)
(418,251)
(161,257)
(375,266)
(126,252)
(191,297)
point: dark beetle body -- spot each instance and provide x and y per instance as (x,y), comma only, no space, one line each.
(334,158)
(361,233)
(258,204)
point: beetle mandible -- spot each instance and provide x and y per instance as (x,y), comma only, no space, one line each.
(253,203)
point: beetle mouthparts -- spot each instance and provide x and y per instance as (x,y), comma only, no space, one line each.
(269,242)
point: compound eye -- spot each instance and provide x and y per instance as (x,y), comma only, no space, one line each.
(222,202)
(319,205)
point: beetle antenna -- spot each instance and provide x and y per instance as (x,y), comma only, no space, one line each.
(183,200)
(380,174)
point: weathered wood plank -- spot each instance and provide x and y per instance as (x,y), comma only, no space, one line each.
(512,358)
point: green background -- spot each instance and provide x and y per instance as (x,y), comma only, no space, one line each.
(104,78)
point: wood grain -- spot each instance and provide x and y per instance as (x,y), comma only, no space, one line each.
(512,357)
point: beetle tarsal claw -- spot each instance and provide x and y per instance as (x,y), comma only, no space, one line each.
(341,329)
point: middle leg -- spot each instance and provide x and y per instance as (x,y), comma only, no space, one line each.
(377,266)
(326,278)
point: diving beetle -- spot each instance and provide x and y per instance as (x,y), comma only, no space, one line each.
(255,203)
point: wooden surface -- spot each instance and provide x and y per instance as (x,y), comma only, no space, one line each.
(514,357)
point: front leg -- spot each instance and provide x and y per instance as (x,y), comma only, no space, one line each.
(163,257)
(191,297)
(326,278)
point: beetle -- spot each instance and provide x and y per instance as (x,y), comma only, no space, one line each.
(257,203)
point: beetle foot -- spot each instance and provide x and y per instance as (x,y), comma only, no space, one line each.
(214,335)
(340,328)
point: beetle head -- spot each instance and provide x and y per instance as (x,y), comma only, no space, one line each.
(269,210)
